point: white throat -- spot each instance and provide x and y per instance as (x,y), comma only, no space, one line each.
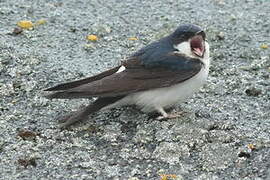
(184,48)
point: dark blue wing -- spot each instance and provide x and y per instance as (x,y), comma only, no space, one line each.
(155,66)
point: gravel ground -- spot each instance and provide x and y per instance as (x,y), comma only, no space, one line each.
(224,134)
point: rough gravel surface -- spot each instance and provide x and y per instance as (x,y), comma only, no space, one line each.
(224,133)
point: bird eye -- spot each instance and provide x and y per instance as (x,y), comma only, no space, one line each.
(202,33)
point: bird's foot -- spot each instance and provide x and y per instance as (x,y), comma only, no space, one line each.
(172,115)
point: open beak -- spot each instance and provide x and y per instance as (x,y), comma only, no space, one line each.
(198,51)
(197,45)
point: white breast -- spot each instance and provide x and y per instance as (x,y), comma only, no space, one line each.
(165,97)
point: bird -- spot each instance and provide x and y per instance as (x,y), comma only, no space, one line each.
(157,76)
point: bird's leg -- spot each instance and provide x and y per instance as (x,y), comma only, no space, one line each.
(165,115)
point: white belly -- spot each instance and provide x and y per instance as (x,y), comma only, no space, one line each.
(165,97)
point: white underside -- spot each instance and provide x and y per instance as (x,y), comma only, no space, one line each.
(160,98)
(166,97)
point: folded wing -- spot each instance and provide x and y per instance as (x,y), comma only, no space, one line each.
(169,70)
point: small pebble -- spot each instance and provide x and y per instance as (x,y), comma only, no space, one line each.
(253,91)
(133,38)
(25,24)
(244,154)
(17,30)
(221,36)
(264,46)
(92,37)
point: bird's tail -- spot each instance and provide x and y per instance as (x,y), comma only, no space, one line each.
(83,113)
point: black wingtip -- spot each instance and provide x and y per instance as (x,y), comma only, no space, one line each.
(54,95)
(48,95)
(48,89)
(58,87)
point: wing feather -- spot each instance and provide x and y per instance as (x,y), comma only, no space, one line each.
(170,70)
(77,83)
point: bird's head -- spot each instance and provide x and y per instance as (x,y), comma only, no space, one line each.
(189,39)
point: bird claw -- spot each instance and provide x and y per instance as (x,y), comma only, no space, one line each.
(171,116)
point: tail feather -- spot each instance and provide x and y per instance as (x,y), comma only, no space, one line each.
(82,114)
